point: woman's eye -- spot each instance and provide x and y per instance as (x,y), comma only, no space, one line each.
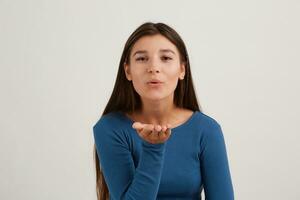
(141,58)
(166,58)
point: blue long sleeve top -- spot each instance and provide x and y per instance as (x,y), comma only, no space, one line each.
(192,159)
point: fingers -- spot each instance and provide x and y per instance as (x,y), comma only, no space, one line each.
(165,133)
(164,128)
(148,130)
(153,133)
(168,131)
(158,128)
(137,125)
(142,129)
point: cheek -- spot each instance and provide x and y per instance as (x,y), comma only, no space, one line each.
(138,85)
(172,84)
(172,75)
(172,70)
(137,80)
(172,79)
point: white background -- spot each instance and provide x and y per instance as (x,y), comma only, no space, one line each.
(58,63)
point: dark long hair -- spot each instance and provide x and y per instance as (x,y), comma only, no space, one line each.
(124,98)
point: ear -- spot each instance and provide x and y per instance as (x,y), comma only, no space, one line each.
(182,70)
(127,72)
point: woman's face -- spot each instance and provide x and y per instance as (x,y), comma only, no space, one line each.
(154,57)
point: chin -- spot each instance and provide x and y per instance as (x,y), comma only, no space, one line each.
(155,96)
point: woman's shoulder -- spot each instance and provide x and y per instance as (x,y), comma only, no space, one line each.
(111,120)
(111,127)
(110,130)
(206,121)
(209,127)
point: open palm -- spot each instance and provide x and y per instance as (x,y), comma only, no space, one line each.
(154,134)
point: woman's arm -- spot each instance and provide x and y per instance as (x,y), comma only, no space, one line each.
(214,165)
(122,179)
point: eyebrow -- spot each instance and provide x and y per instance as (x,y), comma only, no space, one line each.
(161,50)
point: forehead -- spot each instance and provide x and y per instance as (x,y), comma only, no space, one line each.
(153,44)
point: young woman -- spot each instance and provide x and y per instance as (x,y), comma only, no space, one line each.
(152,140)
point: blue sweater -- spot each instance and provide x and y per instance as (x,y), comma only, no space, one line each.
(192,159)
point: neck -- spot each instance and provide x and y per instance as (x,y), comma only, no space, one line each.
(159,112)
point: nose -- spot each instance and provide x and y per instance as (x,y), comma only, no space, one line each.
(153,67)
(151,70)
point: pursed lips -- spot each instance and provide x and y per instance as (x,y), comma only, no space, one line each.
(154,81)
